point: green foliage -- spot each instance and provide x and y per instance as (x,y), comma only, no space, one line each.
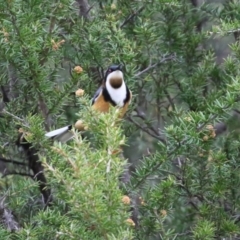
(204,230)
(185,181)
(90,179)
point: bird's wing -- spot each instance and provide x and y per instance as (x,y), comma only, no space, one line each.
(97,93)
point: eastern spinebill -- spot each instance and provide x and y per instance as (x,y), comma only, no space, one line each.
(112,92)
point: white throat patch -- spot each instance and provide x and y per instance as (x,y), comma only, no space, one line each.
(118,95)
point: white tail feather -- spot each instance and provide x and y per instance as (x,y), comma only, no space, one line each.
(57,132)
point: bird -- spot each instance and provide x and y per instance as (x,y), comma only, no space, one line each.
(112,92)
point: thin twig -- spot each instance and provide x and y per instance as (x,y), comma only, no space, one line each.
(145,129)
(132,16)
(16,118)
(12,161)
(164,59)
(170,100)
(13,116)
(204,124)
(227,32)
(141,115)
(90,8)
(183,234)
(159,164)
(17,173)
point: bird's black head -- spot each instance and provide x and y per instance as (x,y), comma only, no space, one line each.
(111,69)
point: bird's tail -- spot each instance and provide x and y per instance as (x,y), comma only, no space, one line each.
(62,134)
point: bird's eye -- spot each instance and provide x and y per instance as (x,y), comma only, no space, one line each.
(109,70)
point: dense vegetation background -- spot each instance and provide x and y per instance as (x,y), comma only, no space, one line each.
(181,134)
